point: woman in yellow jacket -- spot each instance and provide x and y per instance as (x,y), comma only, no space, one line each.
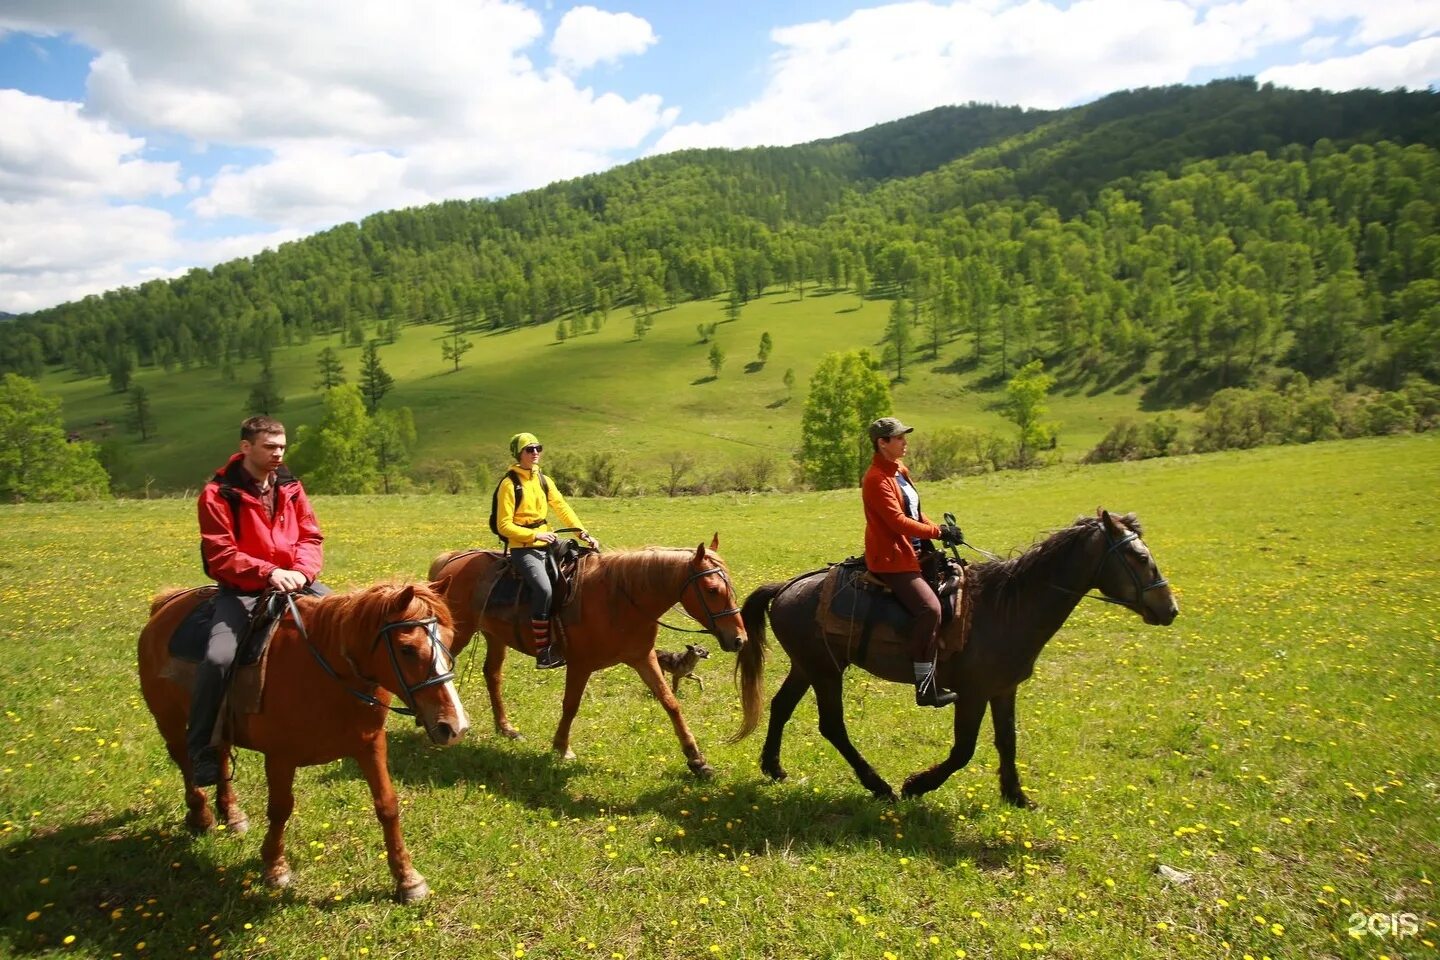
(527,533)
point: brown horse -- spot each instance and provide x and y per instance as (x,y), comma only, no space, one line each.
(621,596)
(327,693)
(1018,605)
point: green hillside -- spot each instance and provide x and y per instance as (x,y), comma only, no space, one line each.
(1152,248)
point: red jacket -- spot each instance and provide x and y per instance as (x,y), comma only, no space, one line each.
(240,545)
(887,529)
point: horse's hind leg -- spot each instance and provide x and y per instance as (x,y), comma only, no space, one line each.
(969,710)
(494,679)
(1002,715)
(782,705)
(832,727)
(198,818)
(649,670)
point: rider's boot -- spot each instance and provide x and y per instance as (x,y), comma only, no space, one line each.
(546,656)
(204,708)
(927,688)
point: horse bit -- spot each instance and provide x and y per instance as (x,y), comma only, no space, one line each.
(1112,549)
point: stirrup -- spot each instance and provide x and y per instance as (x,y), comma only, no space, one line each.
(929,694)
(548,659)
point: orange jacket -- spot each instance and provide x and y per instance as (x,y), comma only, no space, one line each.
(887,529)
(240,545)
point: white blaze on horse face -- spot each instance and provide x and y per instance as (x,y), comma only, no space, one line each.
(462,722)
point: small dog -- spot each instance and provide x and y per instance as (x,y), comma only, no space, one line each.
(682,665)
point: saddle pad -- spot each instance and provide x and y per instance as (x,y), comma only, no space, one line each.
(502,593)
(849,597)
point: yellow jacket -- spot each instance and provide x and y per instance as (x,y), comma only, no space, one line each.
(518,525)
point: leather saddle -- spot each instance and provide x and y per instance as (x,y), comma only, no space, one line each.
(856,604)
(507,588)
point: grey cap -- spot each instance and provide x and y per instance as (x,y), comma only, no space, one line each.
(887,427)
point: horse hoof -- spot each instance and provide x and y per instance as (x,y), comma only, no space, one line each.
(239,825)
(199,826)
(702,770)
(412,892)
(567,755)
(278,876)
(510,733)
(1019,799)
(774,772)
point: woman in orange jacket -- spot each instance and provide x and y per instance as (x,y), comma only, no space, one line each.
(896,531)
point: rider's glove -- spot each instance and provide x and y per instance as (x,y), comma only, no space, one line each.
(950,535)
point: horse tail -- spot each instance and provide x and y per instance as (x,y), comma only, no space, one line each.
(440,562)
(750,664)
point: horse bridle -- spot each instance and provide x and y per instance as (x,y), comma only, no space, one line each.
(712,616)
(441,655)
(1112,548)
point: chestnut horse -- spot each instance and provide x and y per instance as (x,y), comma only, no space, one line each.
(621,596)
(1017,606)
(327,693)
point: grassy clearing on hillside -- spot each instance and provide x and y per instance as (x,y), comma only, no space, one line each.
(1278,742)
(602,391)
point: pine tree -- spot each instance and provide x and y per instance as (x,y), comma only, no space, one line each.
(142,418)
(374,381)
(332,371)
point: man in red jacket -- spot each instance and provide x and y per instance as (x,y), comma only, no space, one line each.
(257,533)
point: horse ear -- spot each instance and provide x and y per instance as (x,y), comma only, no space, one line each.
(715,541)
(441,585)
(700,551)
(1110,522)
(404,597)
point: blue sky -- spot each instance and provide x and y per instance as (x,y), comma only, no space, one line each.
(145,138)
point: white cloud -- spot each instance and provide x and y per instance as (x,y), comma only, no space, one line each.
(53,250)
(587,36)
(1414,65)
(830,77)
(48,149)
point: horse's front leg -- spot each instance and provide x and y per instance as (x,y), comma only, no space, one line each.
(1002,715)
(409,884)
(649,670)
(969,711)
(280,781)
(782,705)
(198,818)
(226,803)
(575,679)
(494,678)
(832,727)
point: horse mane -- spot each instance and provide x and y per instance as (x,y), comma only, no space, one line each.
(362,612)
(646,569)
(1000,580)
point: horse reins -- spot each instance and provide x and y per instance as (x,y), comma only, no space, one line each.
(712,615)
(432,630)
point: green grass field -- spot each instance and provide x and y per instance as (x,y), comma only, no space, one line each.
(602,391)
(1278,743)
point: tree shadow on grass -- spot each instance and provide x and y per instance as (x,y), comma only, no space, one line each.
(111,885)
(754,366)
(777,404)
(697,382)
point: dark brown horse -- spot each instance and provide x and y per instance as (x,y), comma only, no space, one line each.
(622,595)
(1018,605)
(327,692)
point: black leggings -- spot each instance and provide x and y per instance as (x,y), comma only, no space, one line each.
(916,596)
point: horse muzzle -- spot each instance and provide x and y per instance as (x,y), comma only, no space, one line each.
(731,642)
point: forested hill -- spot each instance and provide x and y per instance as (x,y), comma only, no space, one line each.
(1205,233)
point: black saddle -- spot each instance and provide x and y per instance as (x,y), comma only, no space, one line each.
(191,638)
(562,563)
(863,599)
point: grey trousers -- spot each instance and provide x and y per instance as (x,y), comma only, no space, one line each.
(227,626)
(532,562)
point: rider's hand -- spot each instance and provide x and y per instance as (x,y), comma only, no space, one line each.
(594,544)
(950,535)
(287,581)
(546,537)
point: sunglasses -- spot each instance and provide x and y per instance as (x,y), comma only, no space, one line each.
(533,448)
